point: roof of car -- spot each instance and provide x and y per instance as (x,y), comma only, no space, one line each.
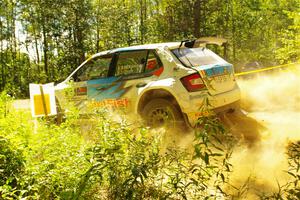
(140,47)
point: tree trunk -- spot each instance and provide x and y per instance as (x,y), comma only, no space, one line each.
(97,27)
(17,73)
(233,32)
(36,48)
(197,17)
(143,14)
(1,58)
(45,49)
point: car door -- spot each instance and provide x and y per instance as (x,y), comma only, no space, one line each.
(90,81)
(133,70)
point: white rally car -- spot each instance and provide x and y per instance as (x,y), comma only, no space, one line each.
(163,83)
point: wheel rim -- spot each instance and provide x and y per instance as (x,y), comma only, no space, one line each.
(161,117)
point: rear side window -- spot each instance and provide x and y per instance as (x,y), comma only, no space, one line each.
(130,63)
(194,57)
(152,62)
(137,64)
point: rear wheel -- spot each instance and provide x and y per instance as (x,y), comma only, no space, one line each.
(162,113)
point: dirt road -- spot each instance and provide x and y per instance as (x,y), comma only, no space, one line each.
(21,104)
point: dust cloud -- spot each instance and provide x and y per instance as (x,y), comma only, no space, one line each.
(272,105)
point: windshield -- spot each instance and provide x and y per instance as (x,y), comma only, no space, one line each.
(194,57)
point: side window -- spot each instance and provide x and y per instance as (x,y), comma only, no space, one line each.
(152,62)
(131,63)
(96,68)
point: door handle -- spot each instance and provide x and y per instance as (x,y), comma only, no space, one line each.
(139,85)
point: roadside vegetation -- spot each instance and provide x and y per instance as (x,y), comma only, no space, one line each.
(115,160)
(111,160)
(43,41)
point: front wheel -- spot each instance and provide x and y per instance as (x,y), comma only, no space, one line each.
(162,113)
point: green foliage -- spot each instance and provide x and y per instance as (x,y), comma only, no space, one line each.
(5,102)
(104,158)
(11,164)
(43,41)
(45,160)
(56,160)
(290,40)
(121,161)
(127,164)
(108,160)
(291,189)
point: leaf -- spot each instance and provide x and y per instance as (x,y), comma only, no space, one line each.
(292,174)
(144,173)
(223,177)
(206,158)
(194,181)
(216,154)
(219,188)
(227,168)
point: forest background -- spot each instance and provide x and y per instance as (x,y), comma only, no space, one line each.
(43,41)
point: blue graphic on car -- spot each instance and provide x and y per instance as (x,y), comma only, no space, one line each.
(106,88)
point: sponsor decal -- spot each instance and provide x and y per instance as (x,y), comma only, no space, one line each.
(81,91)
(110,103)
(158,72)
(151,64)
(223,78)
(205,113)
(218,71)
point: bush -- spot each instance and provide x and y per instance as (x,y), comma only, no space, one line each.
(101,158)
(55,160)
(11,164)
(53,157)
(128,164)
(5,101)
(291,189)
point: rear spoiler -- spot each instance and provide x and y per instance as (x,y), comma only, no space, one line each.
(203,41)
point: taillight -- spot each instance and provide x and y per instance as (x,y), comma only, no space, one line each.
(193,82)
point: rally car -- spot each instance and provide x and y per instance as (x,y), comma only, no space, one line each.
(165,83)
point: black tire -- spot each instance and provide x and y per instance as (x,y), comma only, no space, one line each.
(162,113)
